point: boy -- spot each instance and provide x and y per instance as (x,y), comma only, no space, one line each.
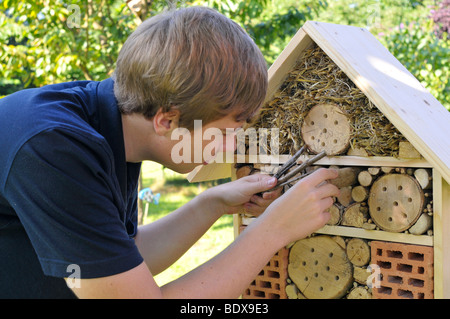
(71,157)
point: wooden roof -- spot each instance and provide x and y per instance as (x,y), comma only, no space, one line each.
(382,78)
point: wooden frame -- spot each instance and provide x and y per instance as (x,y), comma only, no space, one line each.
(420,118)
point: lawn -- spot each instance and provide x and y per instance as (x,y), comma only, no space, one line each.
(175,191)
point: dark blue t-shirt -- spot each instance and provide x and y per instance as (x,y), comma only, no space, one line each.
(68,198)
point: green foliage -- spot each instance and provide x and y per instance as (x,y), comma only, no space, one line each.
(270,23)
(43,44)
(426,56)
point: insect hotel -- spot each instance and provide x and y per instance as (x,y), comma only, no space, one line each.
(336,90)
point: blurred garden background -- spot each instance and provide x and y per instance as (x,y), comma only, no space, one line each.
(51,41)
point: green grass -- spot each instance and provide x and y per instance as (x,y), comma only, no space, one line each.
(176,191)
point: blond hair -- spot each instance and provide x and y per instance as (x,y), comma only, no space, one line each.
(194,59)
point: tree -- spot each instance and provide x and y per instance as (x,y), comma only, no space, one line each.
(44,42)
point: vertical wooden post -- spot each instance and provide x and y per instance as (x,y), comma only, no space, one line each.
(441,213)
(236,217)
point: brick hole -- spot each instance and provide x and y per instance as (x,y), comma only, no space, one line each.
(416,282)
(395,279)
(276,263)
(405,294)
(273,274)
(379,252)
(384,264)
(265,284)
(404,268)
(259,293)
(385,290)
(253,283)
(261,273)
(420,295)
(273,296)
(420,270)
(416,256)
(394,254)
(277,287)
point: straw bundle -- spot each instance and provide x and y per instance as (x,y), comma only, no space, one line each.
(316,79)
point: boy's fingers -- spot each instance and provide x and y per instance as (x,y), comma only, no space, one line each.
(328,190)
(321,175)
(260,182)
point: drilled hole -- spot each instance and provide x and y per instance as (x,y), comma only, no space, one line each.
(385,290)
(416,256)
(404,268)
(384,264)
(395,279)
(394,254)
(405,294)
(416,282)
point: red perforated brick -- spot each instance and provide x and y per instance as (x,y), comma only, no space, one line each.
(271,281)
(406,270)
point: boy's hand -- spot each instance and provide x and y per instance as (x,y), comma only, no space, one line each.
(302,209)
(241,194)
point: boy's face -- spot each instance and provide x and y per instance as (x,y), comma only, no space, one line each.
(203,144)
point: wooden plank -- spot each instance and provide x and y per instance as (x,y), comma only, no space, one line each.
(392,88)
(441,230)
(352,161)
(215,171)
(210,172)
(376,235)
(286,61)
(356,232)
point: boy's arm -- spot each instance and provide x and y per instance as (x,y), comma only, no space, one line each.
(162,242)
(295,215)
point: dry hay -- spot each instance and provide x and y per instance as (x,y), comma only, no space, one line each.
(316,79)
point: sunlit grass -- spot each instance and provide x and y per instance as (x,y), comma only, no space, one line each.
(176,191)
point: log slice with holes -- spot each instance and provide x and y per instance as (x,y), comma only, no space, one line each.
(395,202)
(326,128)
(320,268)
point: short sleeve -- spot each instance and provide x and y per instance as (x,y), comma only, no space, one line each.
(62,186)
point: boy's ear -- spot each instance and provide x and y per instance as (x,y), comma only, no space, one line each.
(164,122)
